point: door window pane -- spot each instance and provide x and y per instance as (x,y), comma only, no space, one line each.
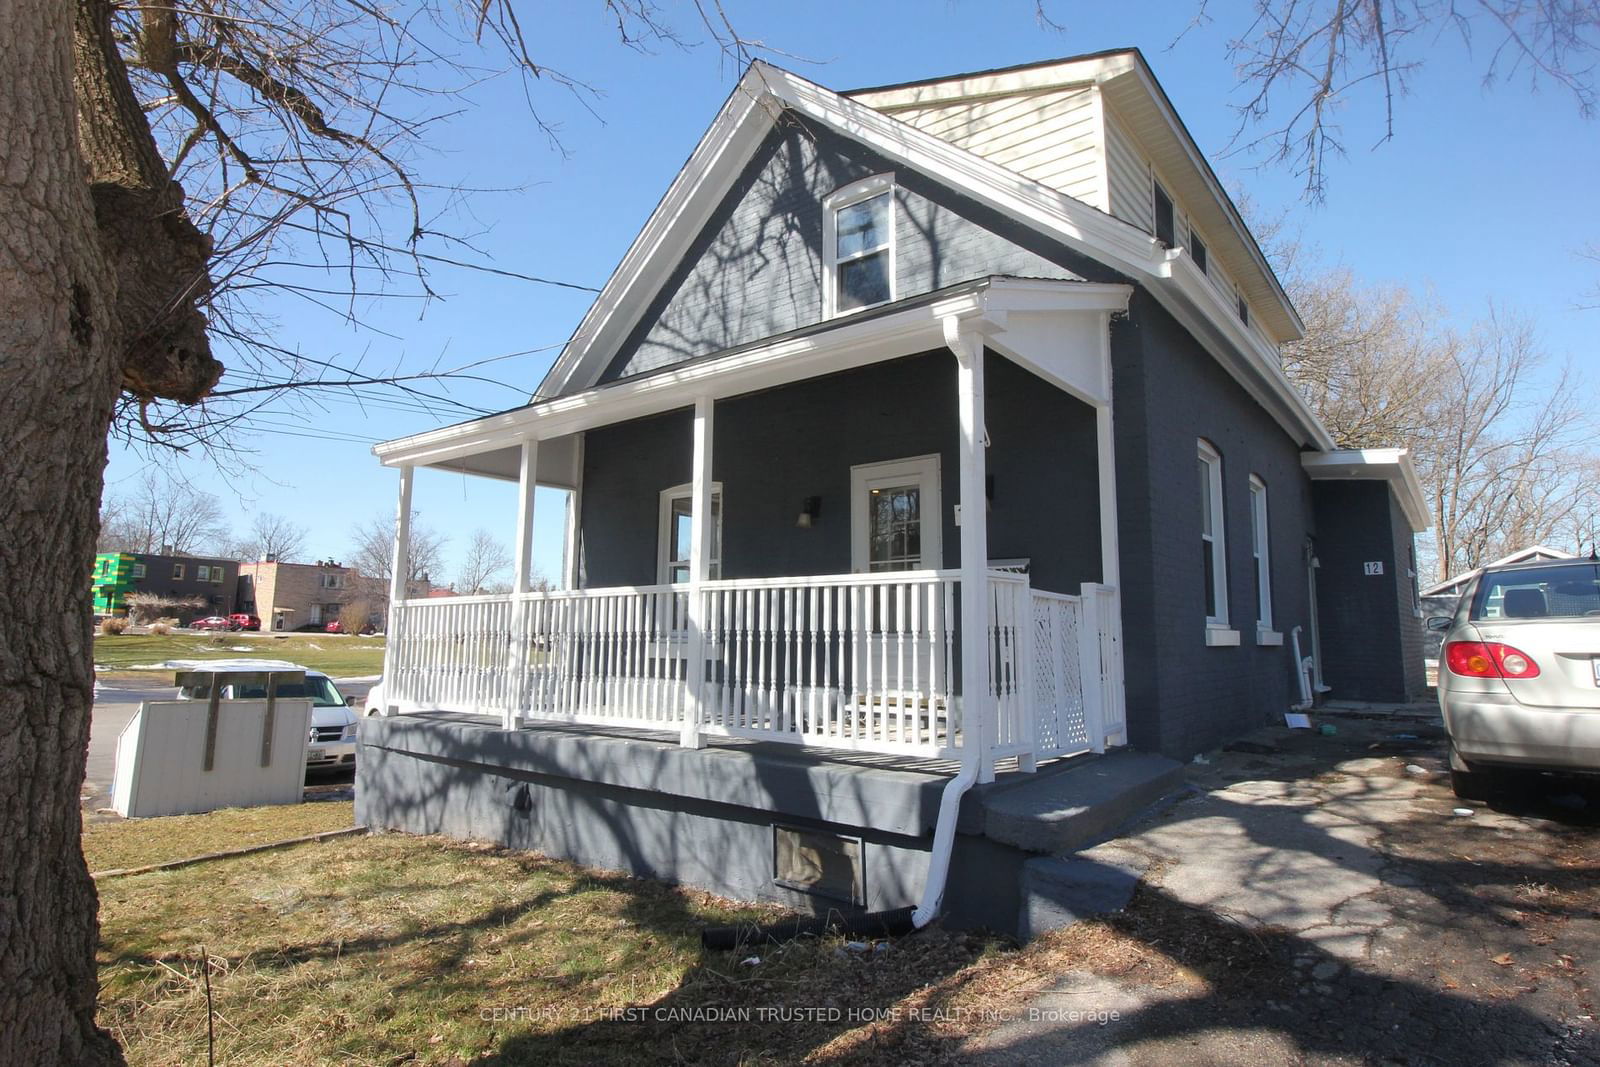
(894,534)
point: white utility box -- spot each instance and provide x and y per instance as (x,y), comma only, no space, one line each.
(180,757)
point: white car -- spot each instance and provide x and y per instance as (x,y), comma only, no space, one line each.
(332,740)
(1519,680)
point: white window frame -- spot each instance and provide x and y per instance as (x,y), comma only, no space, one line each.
(177,572)
(925,472)
(664,530)
(202,572)
(1261,550)
(1217,630)
(838,200)
(137,571)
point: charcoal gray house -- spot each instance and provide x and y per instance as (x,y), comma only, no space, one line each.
(976,383)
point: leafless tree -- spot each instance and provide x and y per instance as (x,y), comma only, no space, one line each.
(163,514)
(1301,61)
(372,556)
(1500,439)
(271,537)
(486,560)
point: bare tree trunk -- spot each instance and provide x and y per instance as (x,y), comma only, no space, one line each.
(59,376)
(99,274)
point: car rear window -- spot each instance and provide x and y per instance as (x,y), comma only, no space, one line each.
(1571,591)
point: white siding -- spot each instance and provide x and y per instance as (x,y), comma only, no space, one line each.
(1050,136)
(1130,178)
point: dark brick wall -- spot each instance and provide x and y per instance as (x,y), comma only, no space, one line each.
(1168,392)
(773,449)
(1371,643)
(756,269)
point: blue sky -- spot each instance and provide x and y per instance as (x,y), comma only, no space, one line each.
(1484,194)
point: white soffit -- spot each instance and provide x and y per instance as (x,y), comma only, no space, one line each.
(487,446)
(1392,465)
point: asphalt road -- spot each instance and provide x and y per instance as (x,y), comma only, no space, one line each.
(115,703)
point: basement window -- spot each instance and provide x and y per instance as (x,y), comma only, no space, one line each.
(826,865)
(858,246)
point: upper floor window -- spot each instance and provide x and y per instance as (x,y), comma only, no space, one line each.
(333,581)
(202,573)
(1213,538)
(1197,250)
(177,572)
(1244,309)
(858,245)
(1166,216)
(138,570)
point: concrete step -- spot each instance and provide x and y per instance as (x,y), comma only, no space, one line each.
(1067,808)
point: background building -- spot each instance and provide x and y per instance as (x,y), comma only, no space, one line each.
(117,574)
(289,596)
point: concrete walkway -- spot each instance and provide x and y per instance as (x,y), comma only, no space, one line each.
(1371,922)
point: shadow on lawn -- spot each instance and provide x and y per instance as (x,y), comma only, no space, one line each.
(1258,984)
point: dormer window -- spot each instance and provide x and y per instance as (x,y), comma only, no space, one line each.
(1166,216)
(1197,250)
(858,245)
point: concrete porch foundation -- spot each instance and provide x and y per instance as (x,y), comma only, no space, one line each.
(636,801)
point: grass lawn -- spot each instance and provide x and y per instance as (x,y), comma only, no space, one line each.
(141,842)
(395,949)
(337,655)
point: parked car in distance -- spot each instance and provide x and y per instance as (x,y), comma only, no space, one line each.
(214,622)
(244,621)
(332,739)
(1519,678)
(337,627)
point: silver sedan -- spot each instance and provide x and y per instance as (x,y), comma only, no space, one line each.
(1519,673)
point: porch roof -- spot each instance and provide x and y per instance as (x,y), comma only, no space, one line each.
(1392,465)
(1008,312)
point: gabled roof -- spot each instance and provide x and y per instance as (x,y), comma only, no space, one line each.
(756,104)
(1131,88)
(1454,585)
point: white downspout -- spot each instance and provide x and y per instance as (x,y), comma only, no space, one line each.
(968,349)
(1300,673)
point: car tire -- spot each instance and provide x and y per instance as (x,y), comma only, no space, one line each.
(1471,785)
(1468,782)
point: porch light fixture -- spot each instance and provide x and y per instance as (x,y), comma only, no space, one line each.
(810,509)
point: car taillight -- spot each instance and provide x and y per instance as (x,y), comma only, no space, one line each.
(1489,659)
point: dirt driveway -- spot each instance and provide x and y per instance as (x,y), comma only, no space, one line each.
(1318,899)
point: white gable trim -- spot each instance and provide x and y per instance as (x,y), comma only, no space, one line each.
(751,112)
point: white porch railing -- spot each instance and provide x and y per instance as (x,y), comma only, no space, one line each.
(866,662)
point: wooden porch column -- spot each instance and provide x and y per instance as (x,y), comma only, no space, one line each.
(699,572)
(1110,552)
(526,484)
(399,567)
(978,710)
(522,575)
